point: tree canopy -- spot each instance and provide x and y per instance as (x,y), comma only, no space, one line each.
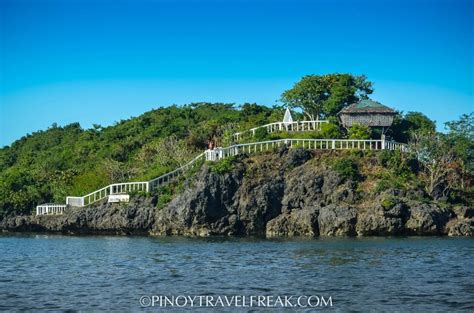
(321,96)
(48,165)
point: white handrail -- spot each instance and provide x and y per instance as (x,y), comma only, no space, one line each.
(220,153)
(50,208)
(314,144)
(297,126)
(118,188)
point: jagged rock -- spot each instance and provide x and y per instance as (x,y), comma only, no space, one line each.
(464,211)
(461,227)
(202,209)
(136,217)
(274,194)
(336,220)
(294,223)
(427,219)
(383,220)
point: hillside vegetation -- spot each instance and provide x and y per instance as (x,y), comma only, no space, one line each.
(48,165)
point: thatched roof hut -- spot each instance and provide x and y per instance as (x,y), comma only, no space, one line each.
(368,113)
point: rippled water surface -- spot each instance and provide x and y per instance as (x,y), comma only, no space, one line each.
(40,272)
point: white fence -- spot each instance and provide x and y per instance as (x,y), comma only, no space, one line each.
(103,193)
(154,183)
(221,153)
(50,209)
(312,144)
(121,188)
(298,126)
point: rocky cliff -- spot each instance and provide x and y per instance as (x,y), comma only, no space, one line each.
(287,193)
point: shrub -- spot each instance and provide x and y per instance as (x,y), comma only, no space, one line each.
(165,194)
(357,131)
(163,200)
(261,134)
(222,166)
(389,181)
(347,168)
(330,131)
(388,202)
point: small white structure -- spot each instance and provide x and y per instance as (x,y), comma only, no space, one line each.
(118,198)
(287,119)
(214,154)
(287,125)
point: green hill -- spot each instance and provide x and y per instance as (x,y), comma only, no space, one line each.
(46,166)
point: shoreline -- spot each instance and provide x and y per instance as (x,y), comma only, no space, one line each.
(6,233)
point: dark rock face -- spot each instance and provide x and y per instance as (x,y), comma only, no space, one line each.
(337,221)
(294,223)
(383,220)
(204,208)
(460,227)
(427,219)
(135,218)
(288,193)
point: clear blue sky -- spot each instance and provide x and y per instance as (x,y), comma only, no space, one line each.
(102,61)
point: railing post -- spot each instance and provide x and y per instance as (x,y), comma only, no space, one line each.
(147,186)
(333,144)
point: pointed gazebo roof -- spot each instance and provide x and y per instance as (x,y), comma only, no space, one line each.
(367,106)
(367,112)
(287,118)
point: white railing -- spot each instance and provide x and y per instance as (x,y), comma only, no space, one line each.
(50,209)
(217,154)
(298,126)
(103,193)
(121,188)
(154,183)
(312,144)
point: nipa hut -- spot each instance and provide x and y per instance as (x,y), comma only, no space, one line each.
(367,113)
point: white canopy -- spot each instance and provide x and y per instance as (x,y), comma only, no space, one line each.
(287,118)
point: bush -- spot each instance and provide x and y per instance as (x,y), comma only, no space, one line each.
(261,134)
(329,131)
(347,168)
(222,166)
(163,200)
(389,181)
(397,163)
(388,202)
(166,193)
(357,131)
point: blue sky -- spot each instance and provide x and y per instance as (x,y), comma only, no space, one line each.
(102,61)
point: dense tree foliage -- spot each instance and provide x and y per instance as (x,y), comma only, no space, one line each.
(321,96)
(404,125)
(446,160)
(48,165)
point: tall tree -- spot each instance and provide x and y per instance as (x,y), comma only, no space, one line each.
(320,96)
(461,138)
(442,167)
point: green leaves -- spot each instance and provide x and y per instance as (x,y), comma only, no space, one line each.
(321,96)
(347,168)
(359,132)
